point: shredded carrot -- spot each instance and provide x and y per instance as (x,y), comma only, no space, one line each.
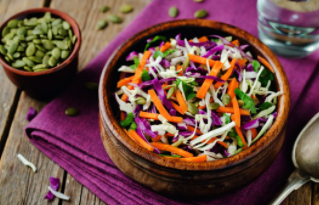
(175,119)
(181,101)
(169,135)
(201,158)
(170,148)
(235,42)
(149,115)
(205,86)
(266,63)
(236,111)
(231,87)
(177,108)
(138,74)
(122,115)
(202,107)
(157,138)
(227,74)
(179,68)
(240,135)
(231,110)
(222,144)
(158,104)
(166,46)
(124,81)
(134,135)
(190,128)
(203,39)
(242,62)
(200,60)
(253,133)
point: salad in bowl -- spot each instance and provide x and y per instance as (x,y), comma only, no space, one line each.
(197,100)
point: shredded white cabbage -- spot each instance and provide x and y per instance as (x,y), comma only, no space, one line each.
(59,194)
(248,137)
(256,80)
(264,128)
(272,96)
(265,112)
(126,107)
(214,95)
(126,69)
(26,162)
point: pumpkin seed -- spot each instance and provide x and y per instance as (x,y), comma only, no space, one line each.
(16,55)
(37,41)
(55,31)
(5,31)
(73,39)
(56,22)
(35,59)
(20,49)
(20,24)
(64,54)
(39,66)
(27,68)
(59,37)
(198,1)
(173,12)
(47,17)
(126,8)
(13,47)
(30,50)
(70,34)
(45,60)
(52,61)
(44,27)
(7,59)
(192,108)
(185,63)
(196,103)
(200,13)
(104,9)
(56,53)
(241,103)
(114,18)
(62,32)
(101,24)
(61,45)
(39,53)
(3,50)
(30,38)
(28,61)
(47,44)
(66,25)
(140,100)
(71,111)
(226,99)
(21,31)
(170,92)
(39,70)
(18,64)
(91,86)
(213,106)
(40,48)
(13,23)
(10,56)
(49,34)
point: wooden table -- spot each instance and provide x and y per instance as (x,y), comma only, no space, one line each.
(18,184)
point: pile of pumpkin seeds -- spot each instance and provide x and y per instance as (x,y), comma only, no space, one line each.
(37,44)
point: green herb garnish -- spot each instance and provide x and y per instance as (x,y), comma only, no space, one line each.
(145,76)
(265,105)
(249,103)
(128,120)
(256,65)
(156,38)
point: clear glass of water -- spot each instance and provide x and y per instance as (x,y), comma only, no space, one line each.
(290,28)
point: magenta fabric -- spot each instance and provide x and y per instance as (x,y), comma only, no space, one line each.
(74,142)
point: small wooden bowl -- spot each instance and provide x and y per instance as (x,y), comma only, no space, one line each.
(45,84)
(170,176)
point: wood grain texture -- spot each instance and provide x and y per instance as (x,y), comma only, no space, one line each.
(18,183)
(301,196)
(315,194)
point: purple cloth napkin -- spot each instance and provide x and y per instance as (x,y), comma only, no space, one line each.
(74,142)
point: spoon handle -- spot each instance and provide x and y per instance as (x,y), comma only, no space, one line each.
(294,182)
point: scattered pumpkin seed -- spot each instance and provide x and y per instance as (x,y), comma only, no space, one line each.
(214,106)
(71,111)
(126,8)
(91,86)
(170,92)
(185,63)
(140,100)
(104,9)
(241,103)
(200,13)
(101,24)
(192,108)
(114,18)
(198,1)
(173,12)
(226,99)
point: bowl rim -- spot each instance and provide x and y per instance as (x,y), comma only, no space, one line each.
(76,31)
(282,107)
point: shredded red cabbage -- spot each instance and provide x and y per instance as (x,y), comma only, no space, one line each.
(131,56)
(55,183)
(31,114)
(161,94)
(213,51)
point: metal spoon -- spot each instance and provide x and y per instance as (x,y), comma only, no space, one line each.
(305,156)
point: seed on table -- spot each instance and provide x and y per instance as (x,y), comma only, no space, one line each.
(30,50)
(3,50)
(91,86)
(18,64)
(126,8)
(71,111)
(47,44)
(200,13)
(114,18)
(35,59)
(104,9)
(52,61)
(66,25)
(13,23)
(173,12)
(21,31)
(101,24)
(198,1)
(28,61)
(56,53)
(64,54)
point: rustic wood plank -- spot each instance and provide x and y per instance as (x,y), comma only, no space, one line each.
(18,183)
(87,15)
(302,196)
(315,193)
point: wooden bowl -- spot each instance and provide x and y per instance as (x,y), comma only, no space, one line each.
(45,84)
(188,179)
